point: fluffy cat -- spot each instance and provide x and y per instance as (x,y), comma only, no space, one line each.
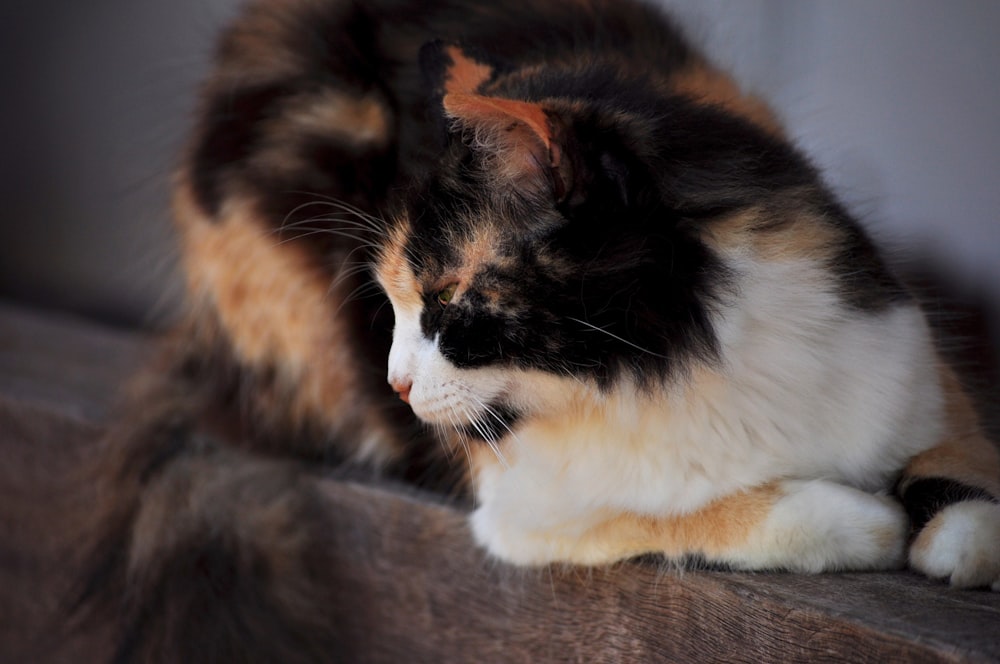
(615,286)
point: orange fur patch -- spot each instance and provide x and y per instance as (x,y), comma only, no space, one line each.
(355,122)
(927,536)
(278,309)
(798,235)
(477,252)
(359,120)
(398,279)
(709,86)
(715,529)
(495,114)
(394,271)
(465,74)
(965,454)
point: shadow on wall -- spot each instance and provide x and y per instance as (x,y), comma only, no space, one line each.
(102,94)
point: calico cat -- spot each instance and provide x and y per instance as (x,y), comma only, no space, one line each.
(584,259)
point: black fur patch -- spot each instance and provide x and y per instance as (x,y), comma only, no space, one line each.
(866,283)
(229,134)
(497,422)
(925,497)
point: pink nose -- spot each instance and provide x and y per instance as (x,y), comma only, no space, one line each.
(402,388)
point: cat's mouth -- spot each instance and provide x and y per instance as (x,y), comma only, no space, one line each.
(476,418)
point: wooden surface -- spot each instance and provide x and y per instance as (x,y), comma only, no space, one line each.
(416,587)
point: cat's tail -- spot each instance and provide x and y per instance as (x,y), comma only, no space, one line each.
(952,495)
(199,551)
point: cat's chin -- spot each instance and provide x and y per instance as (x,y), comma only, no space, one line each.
(488,417)
(450,413)
(444,395)
(437,415)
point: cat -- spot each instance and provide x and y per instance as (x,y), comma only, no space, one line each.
(549,256)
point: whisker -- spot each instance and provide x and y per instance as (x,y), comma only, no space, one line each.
(329,218)
(369,289)
(328,231)
(349,272)
(464,442)
(294,210)
(375,223)
(615,336)
(496,416)
(484,432)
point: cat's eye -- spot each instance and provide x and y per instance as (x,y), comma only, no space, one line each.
(445,295)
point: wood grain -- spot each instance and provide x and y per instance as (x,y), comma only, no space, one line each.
(414,586)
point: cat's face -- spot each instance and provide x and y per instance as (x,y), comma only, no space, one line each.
(478,305)
(524,268)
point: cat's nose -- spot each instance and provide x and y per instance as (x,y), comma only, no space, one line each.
(402,388)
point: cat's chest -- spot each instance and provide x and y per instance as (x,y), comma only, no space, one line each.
(644,458)
(560,477)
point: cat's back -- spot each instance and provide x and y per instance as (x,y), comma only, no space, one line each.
(377,44)
(370,54)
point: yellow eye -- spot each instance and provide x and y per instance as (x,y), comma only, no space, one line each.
(446,294)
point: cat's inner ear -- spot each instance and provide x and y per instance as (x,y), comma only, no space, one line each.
(522,137)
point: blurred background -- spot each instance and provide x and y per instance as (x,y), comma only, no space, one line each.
(895,100)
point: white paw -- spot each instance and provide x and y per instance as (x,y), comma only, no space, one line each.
(962,544)
(512,545)
(822,526)
(511,541)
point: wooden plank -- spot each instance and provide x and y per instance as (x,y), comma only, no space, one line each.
(418,589)
(40,450)
(65,363)
(423,589)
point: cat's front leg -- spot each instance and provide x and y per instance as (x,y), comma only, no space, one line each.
(800,526)
(961,544)
(819,526)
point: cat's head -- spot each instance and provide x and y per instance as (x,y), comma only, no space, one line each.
(541,253)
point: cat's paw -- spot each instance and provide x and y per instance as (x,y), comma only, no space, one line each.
(961,544)
(822,526)
(507,543)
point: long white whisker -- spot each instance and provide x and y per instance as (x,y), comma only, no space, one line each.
(325,224)
(476,424)
(367,289)
(348,273)
(464,442)
(480,427)
(337,216)
(376,224)
(294,210)
(615,336)
(496,416)
(328,231)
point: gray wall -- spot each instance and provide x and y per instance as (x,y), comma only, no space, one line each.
(102,93)
(896,100)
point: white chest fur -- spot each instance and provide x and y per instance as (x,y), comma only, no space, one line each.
(847,400)
(805,389)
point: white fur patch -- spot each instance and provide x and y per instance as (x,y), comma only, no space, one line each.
(820,526)
(441,393)
(807,390)
(962,544)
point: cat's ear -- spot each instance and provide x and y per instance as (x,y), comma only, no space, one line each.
(522,136)
(447,69)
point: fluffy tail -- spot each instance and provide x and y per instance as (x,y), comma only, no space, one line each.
(200,551)
(952,494)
